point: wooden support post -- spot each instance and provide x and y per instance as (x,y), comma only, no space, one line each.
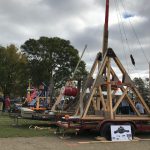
(123,90)
(93,88)
(91,73)
(82,95)
(105,34)
(120,65)
(98,103)
(57,102)
(109,96)
(102,98)
(37,102)
(120,100)
(89,102)
(94,104)
(131,103)
(142,101)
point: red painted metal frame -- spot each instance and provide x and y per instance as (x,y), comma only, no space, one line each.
(106,15)
(143,126)
(96,125)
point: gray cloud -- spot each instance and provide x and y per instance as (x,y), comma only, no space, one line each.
(81,22)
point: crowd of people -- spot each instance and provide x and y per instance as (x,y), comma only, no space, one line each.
(125,109)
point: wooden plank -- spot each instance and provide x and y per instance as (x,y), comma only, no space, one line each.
(38,102)
(93,67)
(103,65)
(93,117)
(117,61)
(89,101)
(109,96)
(93,88)
(98,103)
(102,98)
(131,103)
(43,97)
(120,100)
(94,104)
(118,118)
(142,101)
(80,108)
(57,102)
(133,118)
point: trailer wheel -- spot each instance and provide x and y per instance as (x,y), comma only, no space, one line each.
(106,131)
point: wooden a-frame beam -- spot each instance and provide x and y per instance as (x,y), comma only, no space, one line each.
(134,88)
(57,102)
(102,98)
(82,95)
(142,100)
(120,100)
(128,98)
(109,95)
(89,102)
(131,102)
(92,91)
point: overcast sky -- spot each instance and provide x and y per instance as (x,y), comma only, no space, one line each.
(81,22)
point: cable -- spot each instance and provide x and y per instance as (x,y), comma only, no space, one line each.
(121,36)
(124,32)
(124,6)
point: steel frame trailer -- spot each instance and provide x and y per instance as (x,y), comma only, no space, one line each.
(103,127)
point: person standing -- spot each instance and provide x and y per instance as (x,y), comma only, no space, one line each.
(140,107)
(7,104)
(125,107)
(1,104)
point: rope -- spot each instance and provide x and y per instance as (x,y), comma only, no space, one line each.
(39,128)
(138,40)
(121,37)
(124,32)
(123,28)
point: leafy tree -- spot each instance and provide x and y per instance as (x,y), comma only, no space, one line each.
(12,71)
(52,59)
(146,82)
(142,87)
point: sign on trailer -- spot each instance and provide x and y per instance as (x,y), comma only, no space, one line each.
(121,133)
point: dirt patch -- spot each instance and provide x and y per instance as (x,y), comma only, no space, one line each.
(73,143)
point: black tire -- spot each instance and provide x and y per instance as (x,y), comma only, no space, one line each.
(106,131)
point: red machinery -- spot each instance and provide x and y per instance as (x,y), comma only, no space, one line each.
(70,91)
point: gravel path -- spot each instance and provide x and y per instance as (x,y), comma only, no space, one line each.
(55,143)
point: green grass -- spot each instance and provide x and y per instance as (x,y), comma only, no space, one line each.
(8,129)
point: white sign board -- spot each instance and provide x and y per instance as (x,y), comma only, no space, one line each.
(121,133)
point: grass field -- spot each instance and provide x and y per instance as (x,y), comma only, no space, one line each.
(8,129)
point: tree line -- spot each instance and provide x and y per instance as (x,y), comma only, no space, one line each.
(143,87)
(48,60)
